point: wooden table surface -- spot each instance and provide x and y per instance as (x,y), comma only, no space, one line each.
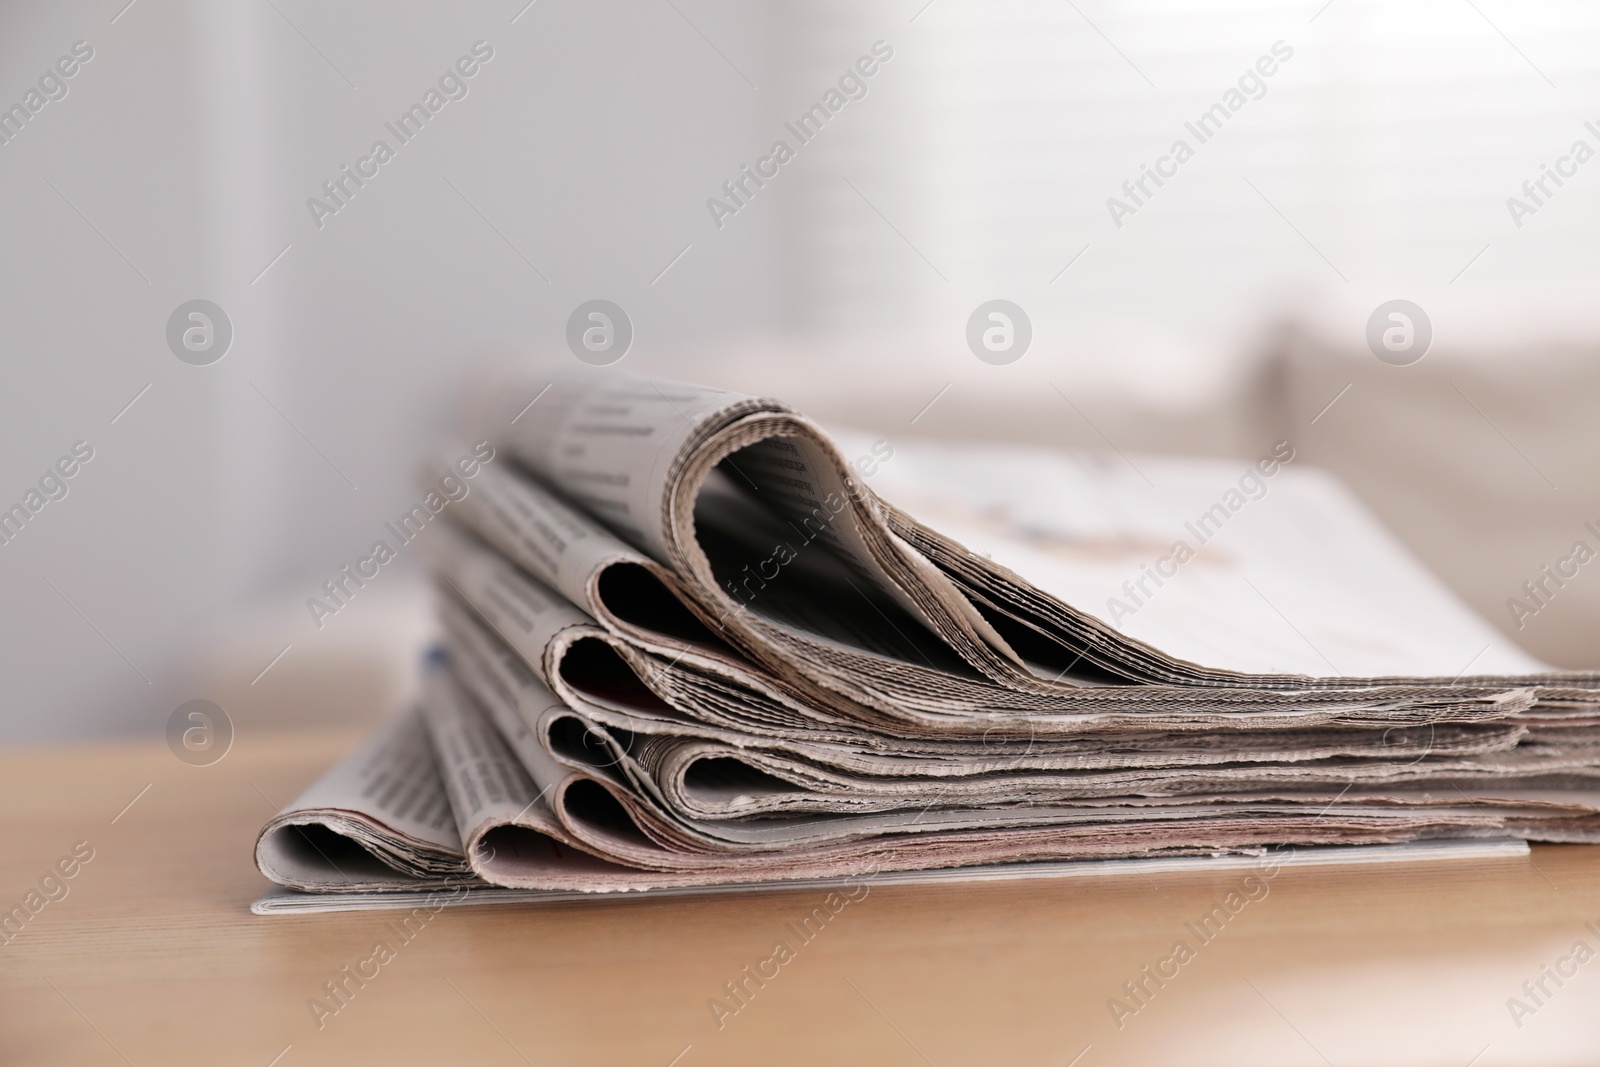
(153,957)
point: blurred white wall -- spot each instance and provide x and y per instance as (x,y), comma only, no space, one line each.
(977,164)
(103,199)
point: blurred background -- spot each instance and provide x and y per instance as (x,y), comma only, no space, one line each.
(1398,149)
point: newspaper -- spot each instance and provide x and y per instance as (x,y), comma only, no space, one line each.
(380,819)
(629,689)
(283,901)
(625,591)
(778,541)
(535,812)
(582,830)
(686,644)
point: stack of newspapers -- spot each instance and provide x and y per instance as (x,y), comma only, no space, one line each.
(689,639)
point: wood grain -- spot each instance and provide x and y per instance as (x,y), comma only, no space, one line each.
(153,957)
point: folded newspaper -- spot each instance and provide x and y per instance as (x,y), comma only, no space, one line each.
(689,639)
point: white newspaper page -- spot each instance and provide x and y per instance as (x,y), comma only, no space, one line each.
(1210,561)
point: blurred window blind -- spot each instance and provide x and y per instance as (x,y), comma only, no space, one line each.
(1383,152)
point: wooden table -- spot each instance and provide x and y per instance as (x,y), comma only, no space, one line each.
(153,958)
